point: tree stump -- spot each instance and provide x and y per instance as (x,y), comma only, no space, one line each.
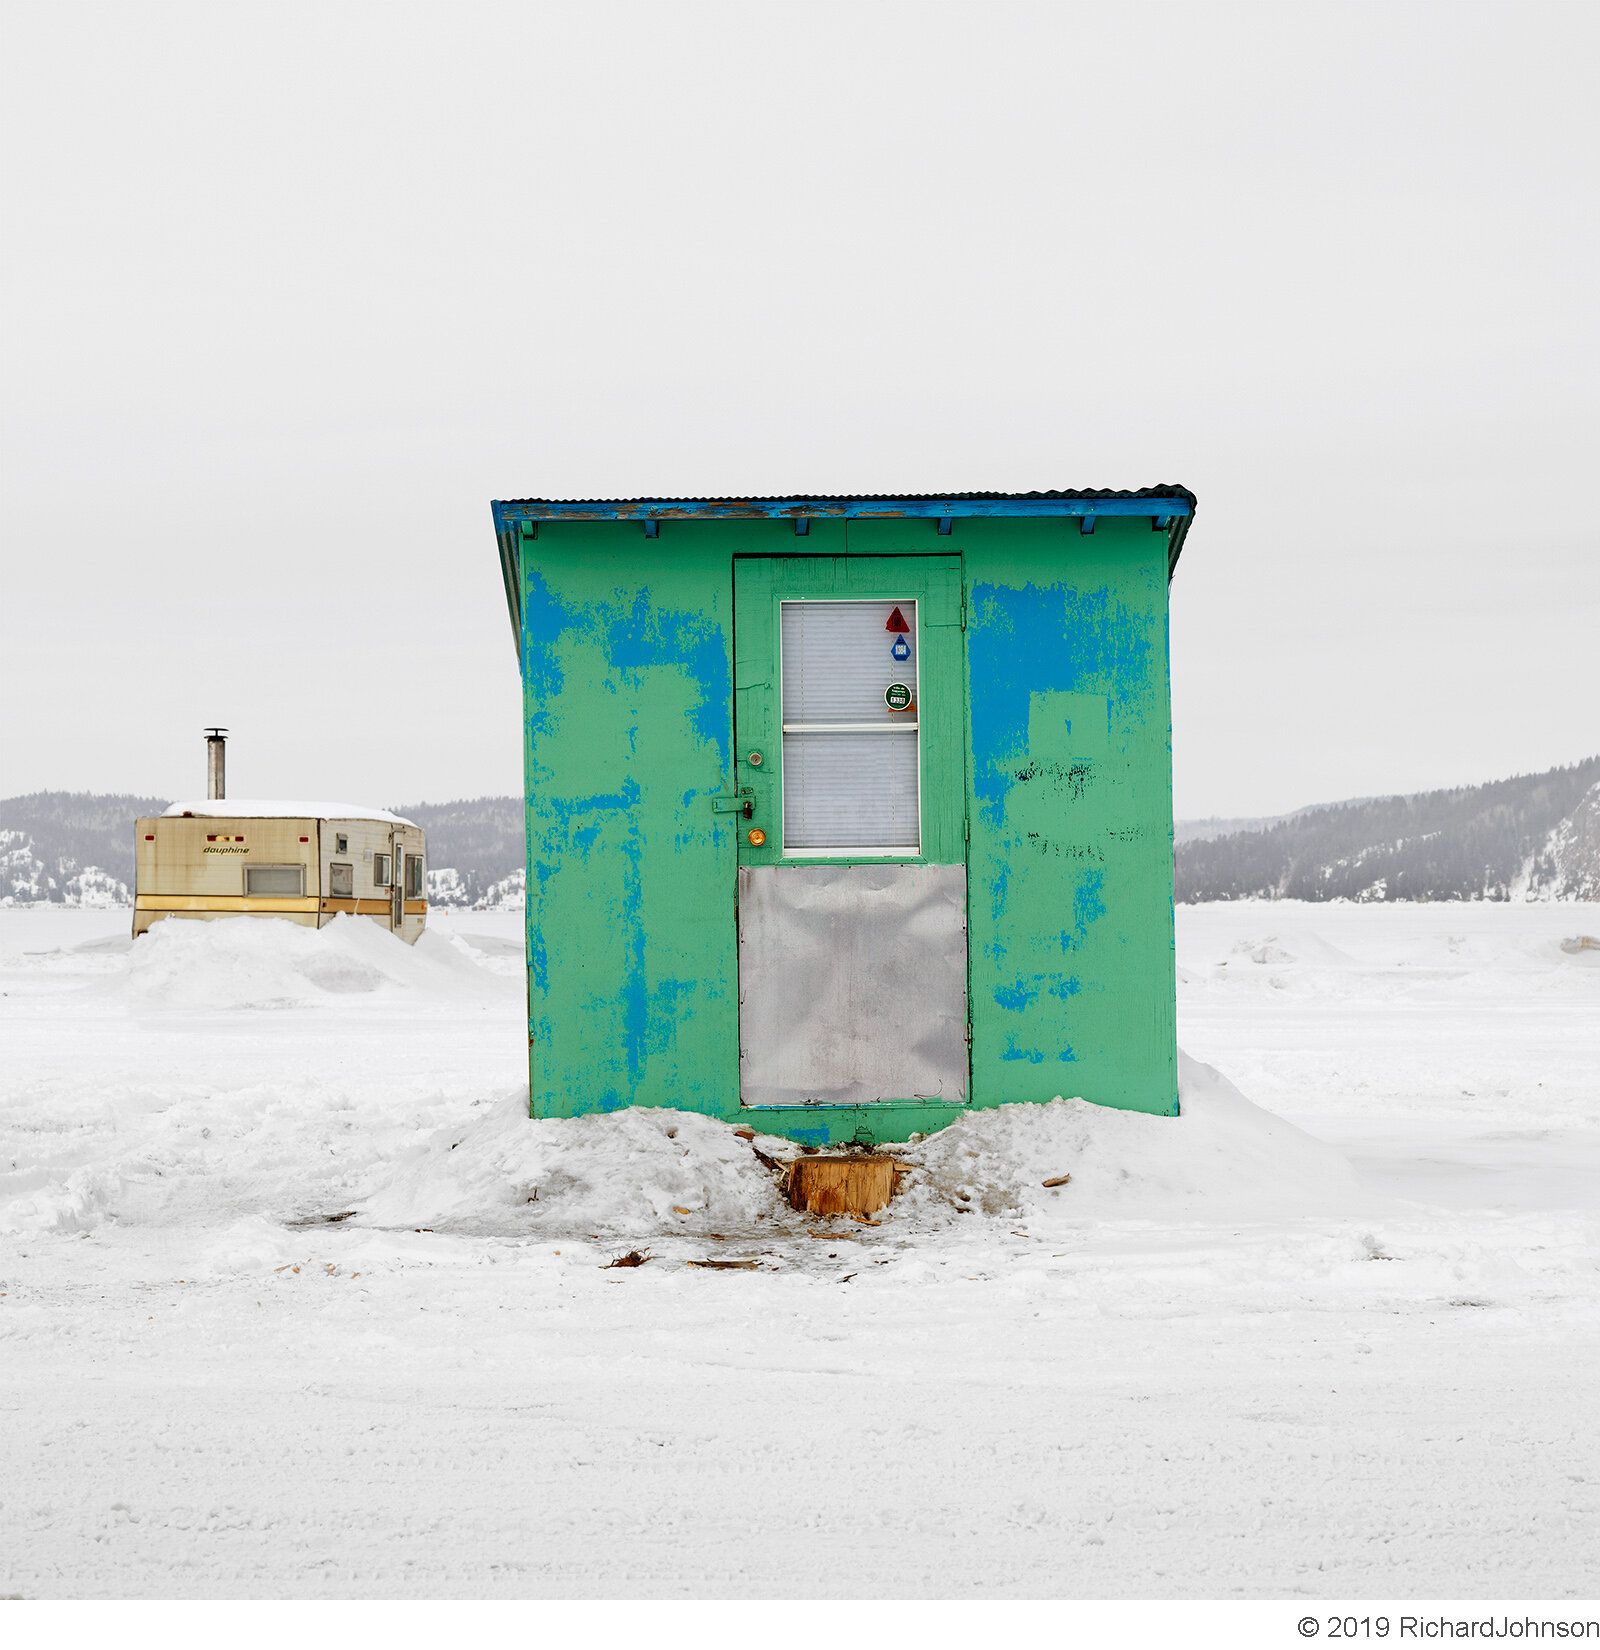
(841,1185)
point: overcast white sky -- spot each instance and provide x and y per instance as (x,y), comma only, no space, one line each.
(292,291)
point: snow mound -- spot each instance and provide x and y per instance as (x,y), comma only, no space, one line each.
(619,1171)
(639,1170)
(67,1200)
(288,1149)
(266,962)
(1221,1158)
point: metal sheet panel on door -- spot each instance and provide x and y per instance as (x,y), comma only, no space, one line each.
(852,984)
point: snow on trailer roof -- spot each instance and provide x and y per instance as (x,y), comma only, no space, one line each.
(229,808)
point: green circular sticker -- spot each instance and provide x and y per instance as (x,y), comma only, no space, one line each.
(897,696)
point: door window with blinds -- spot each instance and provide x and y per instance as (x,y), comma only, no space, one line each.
(851,751)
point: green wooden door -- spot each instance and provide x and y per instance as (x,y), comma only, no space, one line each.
(850,742)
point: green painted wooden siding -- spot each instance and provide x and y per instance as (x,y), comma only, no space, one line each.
(629,692)
(1070,868)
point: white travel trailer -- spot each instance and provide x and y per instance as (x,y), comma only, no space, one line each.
(307,862)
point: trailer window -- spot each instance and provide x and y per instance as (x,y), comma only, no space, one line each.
(380,870)
(275,881)
(341,844)
(413,876)
(341,881)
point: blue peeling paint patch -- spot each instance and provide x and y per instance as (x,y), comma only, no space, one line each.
(810,1137)
(636,637)
(626,798)
(635,996)
(709,663)
(544,618)
(1011,635)
(1088,902)
(1037,639)
(1015,998)
(668,1003)
(646,636)
(1032,1055)
(649,1014)
(999,884)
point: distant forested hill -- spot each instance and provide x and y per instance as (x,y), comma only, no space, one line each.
(69,847)
(1529,837)
(1533,837)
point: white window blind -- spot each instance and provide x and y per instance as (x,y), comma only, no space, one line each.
(850,763)
(273,880)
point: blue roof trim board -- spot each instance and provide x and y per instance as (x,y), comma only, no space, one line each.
(1175,501)
(1169,508)
(1063,501)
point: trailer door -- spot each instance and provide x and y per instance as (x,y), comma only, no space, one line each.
(397,881)
(852,883)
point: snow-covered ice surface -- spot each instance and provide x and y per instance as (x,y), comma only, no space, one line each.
(295,1301)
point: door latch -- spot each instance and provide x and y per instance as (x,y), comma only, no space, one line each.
(742,802)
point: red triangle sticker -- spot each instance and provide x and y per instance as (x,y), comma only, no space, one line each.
(897,621)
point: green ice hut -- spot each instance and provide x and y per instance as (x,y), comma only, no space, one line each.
(845,815)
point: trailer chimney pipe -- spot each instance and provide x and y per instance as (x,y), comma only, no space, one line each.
(216,764)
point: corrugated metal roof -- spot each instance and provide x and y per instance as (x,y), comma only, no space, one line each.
(1079,493)
(1170,508)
